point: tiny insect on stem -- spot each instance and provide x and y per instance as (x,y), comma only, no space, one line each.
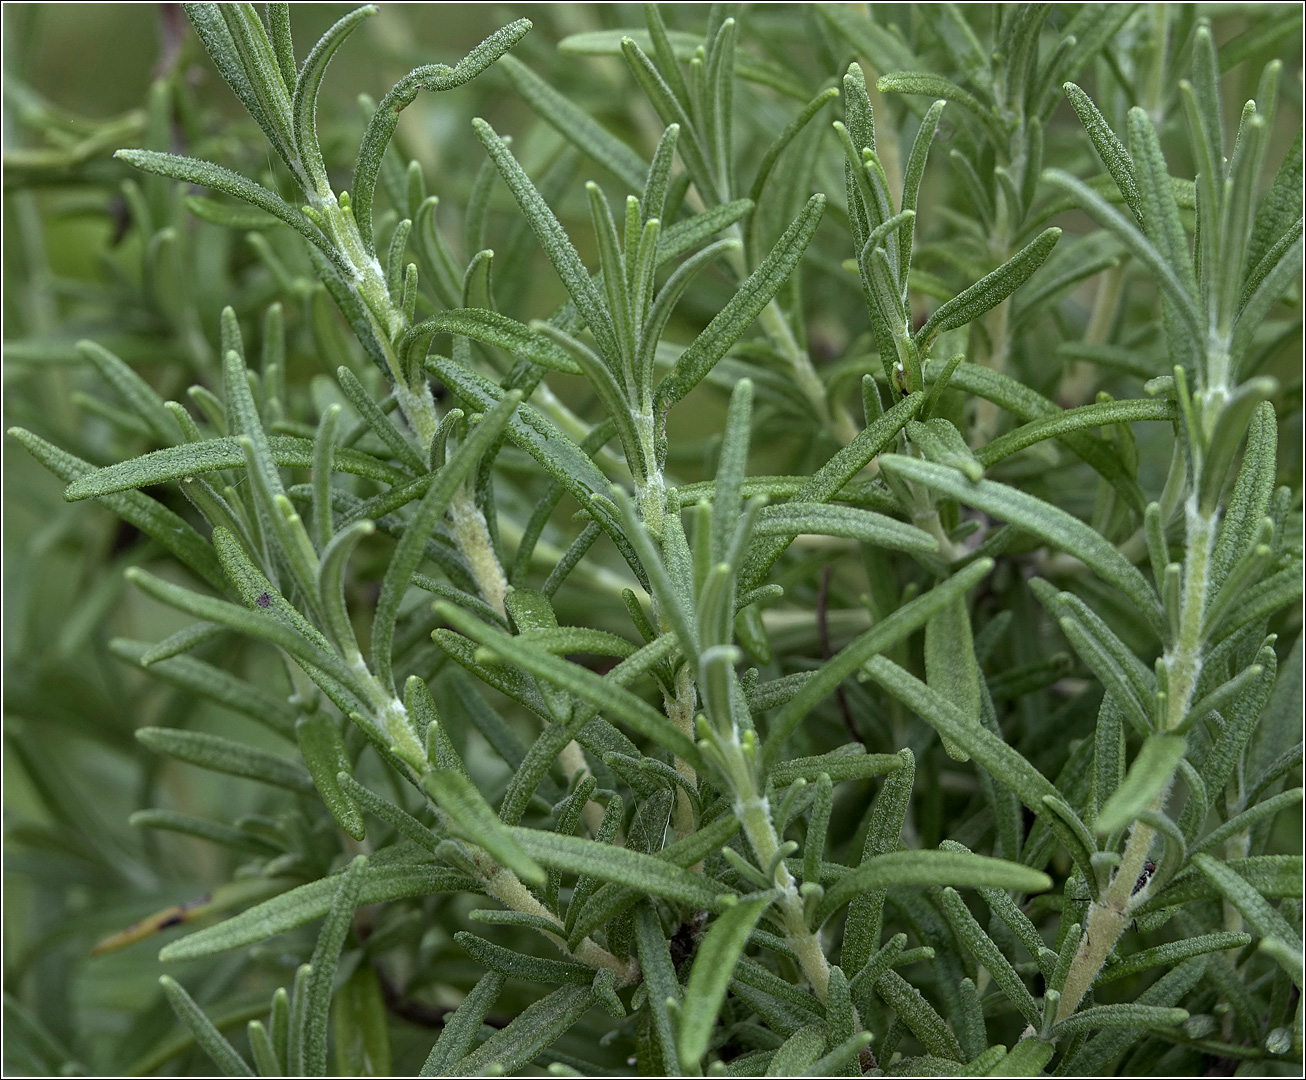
(1149,868)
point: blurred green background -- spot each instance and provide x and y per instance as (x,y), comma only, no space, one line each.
(77,80)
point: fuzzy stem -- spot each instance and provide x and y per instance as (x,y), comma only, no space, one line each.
(508,889)
(574,765)
(754,813)
(1108,917)
(471,533)
(1183,666)
(680,711)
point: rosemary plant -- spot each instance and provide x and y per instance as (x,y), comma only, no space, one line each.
(833,611)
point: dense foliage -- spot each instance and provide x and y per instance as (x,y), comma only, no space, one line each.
(833,610)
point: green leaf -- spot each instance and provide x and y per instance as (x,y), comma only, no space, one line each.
(711,973)
(197,677)
(989,291)
(918,1014)
(212,30)
(865,917)
(563,640)
(381,127)
(885,50)
(936,86)
(458,797)
(748,67)
(798,1052)
(500,331)
(304,100)
(1125,1015)
(222,1053)
(929,868)
(554,240)
(1151,773)
(796,518)
(222,755)
(400,820)
(950,666)
(383,880)
(1269,281)
(621,866)
(575,124)
(270,627)
(211,455)
(1253,907)
(1028,405)
(1100,414)
(1240,822)
(325,959)
(1042,519)
(521,966)
(380,424)
(611,900)
(920,149)
(1141,247)
(216,832)
(786,136)
(660,977)
(843,1057)
(358,1019)
(1110,150)
(1268,875)
(323,751)
(532,1030)
(412,544)
(742,308)
(620,703)
(829,480)
(463,1025)
(135,392)
(1026,1058)
(896,626)
(1171,953)
(215,177)
(174,533)
(1008,766)
(1282,204)
(850,764)
(679,237)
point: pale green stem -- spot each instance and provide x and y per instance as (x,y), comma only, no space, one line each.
(680,711)
(508,889)
(1183,660)
(471,533)
(500,882)
(572,425)
(1106,304)
(754,813)
(650,488)
(782,339)
(1109,916)
(572,760)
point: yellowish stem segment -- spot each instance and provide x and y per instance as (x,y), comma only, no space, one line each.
(507,888)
